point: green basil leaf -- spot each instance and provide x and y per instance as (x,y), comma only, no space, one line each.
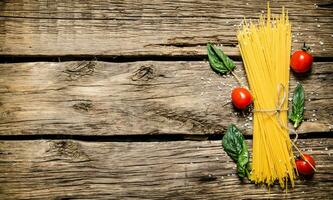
(243,160)
(232,142)
(218,61)
(297,109)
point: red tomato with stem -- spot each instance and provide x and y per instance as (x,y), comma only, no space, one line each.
(303,165)
(241,97)
(301,60)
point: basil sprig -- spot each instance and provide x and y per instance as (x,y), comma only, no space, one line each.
(297,109)
(218,61)
(234,144)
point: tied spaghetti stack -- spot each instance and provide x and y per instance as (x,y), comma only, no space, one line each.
(265,48)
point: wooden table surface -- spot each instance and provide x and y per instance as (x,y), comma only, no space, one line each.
(116,99)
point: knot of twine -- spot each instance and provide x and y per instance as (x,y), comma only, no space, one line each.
(279,108)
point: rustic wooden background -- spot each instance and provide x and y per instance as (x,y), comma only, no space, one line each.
(116,100)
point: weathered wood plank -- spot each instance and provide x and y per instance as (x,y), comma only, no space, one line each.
(99,98)
(143,170)
(134,28)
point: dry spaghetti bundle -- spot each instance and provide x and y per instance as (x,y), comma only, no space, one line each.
(265,48)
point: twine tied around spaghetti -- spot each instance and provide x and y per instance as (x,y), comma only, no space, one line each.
(279,107)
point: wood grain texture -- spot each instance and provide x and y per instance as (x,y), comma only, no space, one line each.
(135,28)
(67,169)
(100,98)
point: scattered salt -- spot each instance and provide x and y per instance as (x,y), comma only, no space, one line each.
(326,149)
(313,115)
(321,42)
(318,25)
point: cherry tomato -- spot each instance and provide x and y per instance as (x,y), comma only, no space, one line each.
(241,97)
(301,60)
(303,166)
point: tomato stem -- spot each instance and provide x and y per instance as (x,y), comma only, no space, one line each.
(237,78)
(305,48)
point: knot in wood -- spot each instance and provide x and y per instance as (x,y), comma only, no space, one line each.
(81,69)
(144,73)
(83,106)
(68,149)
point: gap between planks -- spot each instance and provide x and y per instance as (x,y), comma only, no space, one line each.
(145,138)
(119,58)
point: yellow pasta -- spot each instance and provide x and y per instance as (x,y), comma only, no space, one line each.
(265,48)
